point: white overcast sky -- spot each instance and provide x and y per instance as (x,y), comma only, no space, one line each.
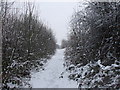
(55,15)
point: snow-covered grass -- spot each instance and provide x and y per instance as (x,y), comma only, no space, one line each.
(95,74)
(54,74)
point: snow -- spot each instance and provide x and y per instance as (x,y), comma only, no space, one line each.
(99,63)
(54,75)
(12,85)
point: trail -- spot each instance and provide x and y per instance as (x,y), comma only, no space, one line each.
(51,76)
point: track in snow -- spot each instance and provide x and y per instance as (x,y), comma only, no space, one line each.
(50,77)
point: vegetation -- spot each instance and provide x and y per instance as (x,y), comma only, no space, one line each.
(95,37)
(64,43)
(26,42)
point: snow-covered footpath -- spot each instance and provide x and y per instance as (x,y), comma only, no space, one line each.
(51,76)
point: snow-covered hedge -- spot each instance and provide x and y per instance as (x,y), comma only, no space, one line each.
(25,40)
(96,75)
(94,45)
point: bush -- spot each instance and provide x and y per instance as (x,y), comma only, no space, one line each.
(25,40)
(95,35)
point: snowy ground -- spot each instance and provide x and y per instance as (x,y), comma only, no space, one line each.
(51,76)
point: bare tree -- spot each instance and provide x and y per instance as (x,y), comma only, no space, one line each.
(26,42)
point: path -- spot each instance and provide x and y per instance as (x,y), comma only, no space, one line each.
(50,77)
